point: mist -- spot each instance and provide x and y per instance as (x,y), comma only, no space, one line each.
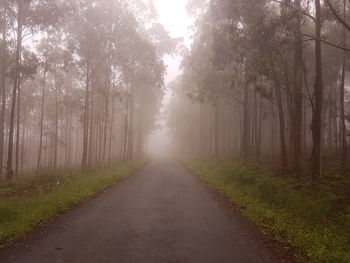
(187,131)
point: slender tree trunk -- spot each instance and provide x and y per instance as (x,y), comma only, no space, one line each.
(318,93)
(255,123)
(86,118)
(343,141)
(3,98)
(16,85)
(216,128)
(93,130)
(23,144)
(41,121)
(56,124)
(126,129)
(258,132)
(246,125)
(284,158)
(131,130)
(18,129)
(298,95)
(111,132)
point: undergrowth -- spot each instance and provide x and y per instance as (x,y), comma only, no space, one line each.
(29,201)
(313,219)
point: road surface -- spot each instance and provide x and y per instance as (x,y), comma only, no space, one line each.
(161,214)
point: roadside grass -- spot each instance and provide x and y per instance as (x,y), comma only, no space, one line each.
(313,219)
(29,201)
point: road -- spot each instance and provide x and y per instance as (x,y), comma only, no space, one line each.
(161,214)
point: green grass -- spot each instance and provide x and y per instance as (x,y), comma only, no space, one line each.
(27,202)
(313,219)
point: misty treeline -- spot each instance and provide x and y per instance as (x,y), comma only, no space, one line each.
(265,80)
(81,81)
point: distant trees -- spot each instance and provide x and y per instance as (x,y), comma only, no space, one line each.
(259,81)
(92,77)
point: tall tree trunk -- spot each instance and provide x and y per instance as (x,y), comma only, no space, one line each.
(56,124)
(318,94)
(140,133)
(246,125)
(23,144)
(16,84)
(343,142)
(86,118)
(258,132)
(3,98)
(111,132)
(216,128)
(93,130)
(284,158)
(298,97)
(126,129)
(18,120)
(131,130)
(41,121)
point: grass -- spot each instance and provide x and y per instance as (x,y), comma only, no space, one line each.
(27,202)
(313,219)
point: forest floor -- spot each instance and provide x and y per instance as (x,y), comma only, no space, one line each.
(161,214)
(32,199)
(313,219)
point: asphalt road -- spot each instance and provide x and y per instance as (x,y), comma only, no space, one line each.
(161,214)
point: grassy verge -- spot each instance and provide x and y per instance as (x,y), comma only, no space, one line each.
(27,202)
(313,219)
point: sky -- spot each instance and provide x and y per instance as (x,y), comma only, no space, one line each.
(173,15)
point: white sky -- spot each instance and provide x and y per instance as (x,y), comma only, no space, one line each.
(173,15)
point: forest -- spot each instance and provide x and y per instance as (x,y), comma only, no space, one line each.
(81,82)
(246,102)
(266,81)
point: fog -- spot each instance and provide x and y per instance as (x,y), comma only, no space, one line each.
(87,83)
(251,96)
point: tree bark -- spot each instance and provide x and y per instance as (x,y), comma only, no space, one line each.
(343,141)
(298,95)
(246,125)
(86,118)
(56,124)
(3,98)
(41,120)
(318,94)
(16,84)
(18,120)
(284,157)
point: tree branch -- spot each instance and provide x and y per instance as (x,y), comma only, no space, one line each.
(296,9)
(312,38)
(337,16)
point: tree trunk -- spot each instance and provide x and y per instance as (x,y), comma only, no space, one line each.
(18,120)
(246,125)
(343,142)
(318,94)
(298,95)
(86,118)
(284,158)
(131,130)
(111,132)
(16,84)
(126,129)
(3,98)
(41,121)
(216,128)
(56,124)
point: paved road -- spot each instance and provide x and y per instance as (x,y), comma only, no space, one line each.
(161,214)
